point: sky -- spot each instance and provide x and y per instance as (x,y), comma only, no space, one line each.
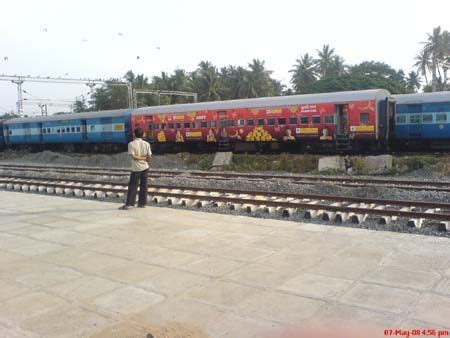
(102,39)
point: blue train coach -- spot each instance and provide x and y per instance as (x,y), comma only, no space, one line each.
(2,135)
(100,131)
(423,120)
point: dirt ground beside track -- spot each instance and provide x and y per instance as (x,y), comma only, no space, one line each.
(428,166)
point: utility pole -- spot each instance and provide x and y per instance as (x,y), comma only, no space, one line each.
(19,82)
(43,107)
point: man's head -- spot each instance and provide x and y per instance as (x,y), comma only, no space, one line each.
(138,132)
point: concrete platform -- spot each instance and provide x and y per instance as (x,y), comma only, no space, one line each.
(78,268)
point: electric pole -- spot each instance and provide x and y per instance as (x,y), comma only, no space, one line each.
(19,82)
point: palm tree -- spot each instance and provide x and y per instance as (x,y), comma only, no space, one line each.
(446,55)
(423,64)
(413,82)
(206,81)
(434,47)
(337,66)
(259,81)
(304,73)
(324,62)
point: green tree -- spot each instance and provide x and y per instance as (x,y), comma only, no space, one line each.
(6,116)
(367,75)
(110,96)
(80,105)
(303,73)
(259,82)
(437,47)
(413,82)
(423,64)
(325,62)
(206,82)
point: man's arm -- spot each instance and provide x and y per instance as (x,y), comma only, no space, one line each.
(139,158)
(149,152)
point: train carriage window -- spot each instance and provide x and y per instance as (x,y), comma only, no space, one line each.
(212,124)
(48,131)
(414,118)
(427,118)
(240,122)
(401,119)
(329,119)
(72,129)
(68,129)
(203,124)
(304,120)
(92,128)
(293,120)
(78,129)
(364,118)
(63,130)
(194,125)
(42,130)
(316,119)
(441,117)
(230,123)
(156,126)
(250,122)
(187,124)
(170,125)
(260,122)
(281,121)
(271,122)
(163,126)
(178,125)
(223,124)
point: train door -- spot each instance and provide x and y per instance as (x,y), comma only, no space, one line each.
(150,131)
(415,121)
(6,132)
(146,123)
(391,121)
(222,124)
(41,133)
(84,135)
(341,119)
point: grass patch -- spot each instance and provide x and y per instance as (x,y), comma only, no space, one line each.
(282,162)
(202,161)
(410,163)
(205,161)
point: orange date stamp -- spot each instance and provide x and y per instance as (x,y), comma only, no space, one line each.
(416,333)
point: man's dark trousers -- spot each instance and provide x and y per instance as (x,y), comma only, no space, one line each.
(135,178)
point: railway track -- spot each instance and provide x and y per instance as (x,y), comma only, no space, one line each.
(325,207)
(296,179)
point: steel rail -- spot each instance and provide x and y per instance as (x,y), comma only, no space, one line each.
(287,204)
(234,174)
(352,199)
(304,179)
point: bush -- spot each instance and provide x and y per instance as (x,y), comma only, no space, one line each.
(283,162)
(410,163)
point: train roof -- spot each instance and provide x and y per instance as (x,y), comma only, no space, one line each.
(275,101)
(71,116)
(422,97)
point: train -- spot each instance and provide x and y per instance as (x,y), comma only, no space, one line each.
(354,121)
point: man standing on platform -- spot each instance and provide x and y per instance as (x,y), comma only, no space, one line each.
(140,153)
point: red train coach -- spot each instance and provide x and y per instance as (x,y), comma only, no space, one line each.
(330,121)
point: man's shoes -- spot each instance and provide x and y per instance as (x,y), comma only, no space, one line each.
(125,207)
(141,206)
